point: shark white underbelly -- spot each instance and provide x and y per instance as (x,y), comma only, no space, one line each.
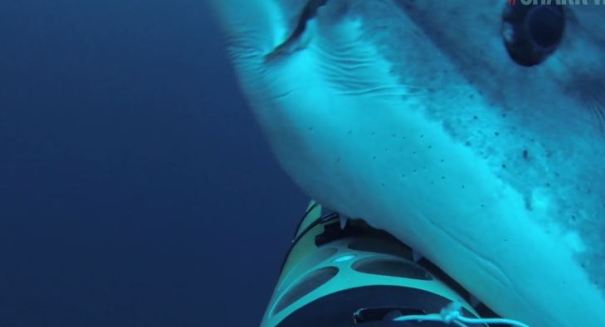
(421,148)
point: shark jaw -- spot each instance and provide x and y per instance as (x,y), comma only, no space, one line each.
(358,138)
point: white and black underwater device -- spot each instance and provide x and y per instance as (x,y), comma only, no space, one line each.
(343,273)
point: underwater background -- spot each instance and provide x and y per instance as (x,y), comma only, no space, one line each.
(135,186)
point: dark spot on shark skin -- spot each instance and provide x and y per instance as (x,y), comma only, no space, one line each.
(528,203)
(525,154)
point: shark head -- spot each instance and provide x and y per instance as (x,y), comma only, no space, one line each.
(473,131)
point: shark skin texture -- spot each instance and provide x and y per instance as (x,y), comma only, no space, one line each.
(413,116)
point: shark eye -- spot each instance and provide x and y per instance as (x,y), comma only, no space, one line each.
(532,33)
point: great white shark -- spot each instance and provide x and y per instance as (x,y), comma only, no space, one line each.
(415,116)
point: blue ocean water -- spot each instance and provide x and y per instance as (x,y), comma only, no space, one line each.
(135,186)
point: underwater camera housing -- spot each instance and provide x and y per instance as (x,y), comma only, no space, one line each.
(349,274)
